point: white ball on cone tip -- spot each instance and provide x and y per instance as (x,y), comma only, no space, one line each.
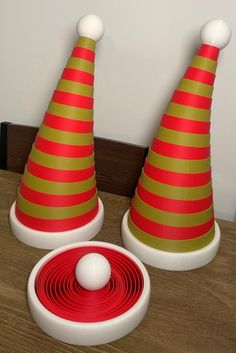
(93,271)
(91,26)
(216,32)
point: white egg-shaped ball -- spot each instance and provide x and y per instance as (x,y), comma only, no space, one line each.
(91,26)
(216,32)
(93,271)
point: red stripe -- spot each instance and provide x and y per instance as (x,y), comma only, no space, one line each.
(64,176)
(199,75)
(176,179)
(192,100)
(178,151)
(83,53)
(50,200)
(169,232)
(55,225)
(78,76)
(67,124)
(63,150)
(74,100)
(209,51)
(171,205)
(185,125)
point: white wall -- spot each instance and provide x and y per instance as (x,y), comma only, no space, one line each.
(146,48)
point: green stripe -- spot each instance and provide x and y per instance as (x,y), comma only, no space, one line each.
(80,64)
(45,212)
(87,43)
(175,192)
(183,138)
(183,111)
(64,137)
(195,87)
(178,165)
(172,245)
(75,87)
(203,63)
(62,163)
(66,111)
(170,218)
(57,188)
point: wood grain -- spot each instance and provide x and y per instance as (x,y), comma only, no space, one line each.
(118,164)
(3,145)
(189,312)
(19,142)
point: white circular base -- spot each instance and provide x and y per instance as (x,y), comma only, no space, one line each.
(87,333)
(52,240)
(173,261)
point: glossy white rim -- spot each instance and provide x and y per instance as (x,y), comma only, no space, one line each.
(173,261)
(87,333)
(52,240)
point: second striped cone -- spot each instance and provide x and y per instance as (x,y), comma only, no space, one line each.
(57,201)
(171,223)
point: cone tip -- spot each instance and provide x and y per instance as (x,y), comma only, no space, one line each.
(91,26)
(216,32)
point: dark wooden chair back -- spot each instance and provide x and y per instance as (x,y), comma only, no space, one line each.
(118,164)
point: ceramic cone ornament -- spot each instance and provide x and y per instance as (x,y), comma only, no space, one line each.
(88,293)
(57,201)
(171,223)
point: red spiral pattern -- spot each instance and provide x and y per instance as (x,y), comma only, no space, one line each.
(58,290)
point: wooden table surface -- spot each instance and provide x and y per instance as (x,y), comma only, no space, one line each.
(189,312)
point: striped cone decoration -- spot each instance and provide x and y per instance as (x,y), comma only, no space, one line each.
(57,201)
(171,224)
